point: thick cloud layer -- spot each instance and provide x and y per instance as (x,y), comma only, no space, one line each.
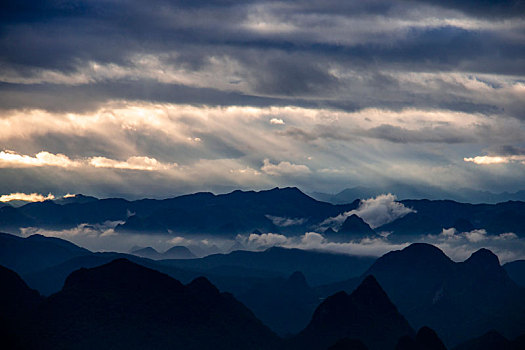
(458,245)
(152,99)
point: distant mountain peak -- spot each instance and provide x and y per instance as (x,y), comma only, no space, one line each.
(363,314)
(423,248)
(119,274)
(145,250)
(370,292)
(484,257)
(427,338)
(356,225)
(298,279)
(202,286)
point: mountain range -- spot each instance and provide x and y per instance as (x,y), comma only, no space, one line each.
(283,287)
(459,300)
(348,195)
(287,211)
(122,305)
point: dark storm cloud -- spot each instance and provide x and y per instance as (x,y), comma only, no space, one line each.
(60,36)
(484,8)
(507,150)
(55,97)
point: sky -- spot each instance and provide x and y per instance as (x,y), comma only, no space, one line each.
(158,98)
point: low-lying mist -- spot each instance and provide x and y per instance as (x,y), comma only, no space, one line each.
(457,245)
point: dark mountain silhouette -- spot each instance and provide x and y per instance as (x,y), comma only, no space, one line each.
(352,228)
(147,252)
(175,252)
(414,224)
(284,305)
(35,252)
(488,341)
(226,214)
(348,195)
(178,252)
(463,225)
(432,216)
(363,315)
(17,301)
(77,198)
(243,212)
(318,267)
(457,300)
(425,339)
(232,213)
(348,344)
(122,305)
(51,279)
(516,271)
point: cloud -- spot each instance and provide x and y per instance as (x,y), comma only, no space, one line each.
(31,197)
(285,222)
(12,159)
(284,168)
(487,160)
(374,211)
(277,121)
(132,163)
(262,241)
(355,84)
(459,246)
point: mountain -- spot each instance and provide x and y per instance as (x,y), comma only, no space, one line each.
(17,301)
(280,210)
(488,341)
(284,305)
(414,224)
(425,339)
(123,305)
(367,314)
(178,252)
(317,267)
(411,192)
(348,344)
(35,252)
(493,340)
(175,252)
(355,227)
(50,280)
(286,210)
(431,217)
(516,271)
(457,300)
(147,252)
(76,198)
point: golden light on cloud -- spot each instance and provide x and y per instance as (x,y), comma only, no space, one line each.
(13,159)
(31,197)
(487,160)
(10,159)
(132,163)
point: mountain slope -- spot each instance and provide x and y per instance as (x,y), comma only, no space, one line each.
(122,305)
(284,305)
(367,314)
(516,271)
(17,301)
(286,210)
(457,300)
(35,252)
(318,267)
